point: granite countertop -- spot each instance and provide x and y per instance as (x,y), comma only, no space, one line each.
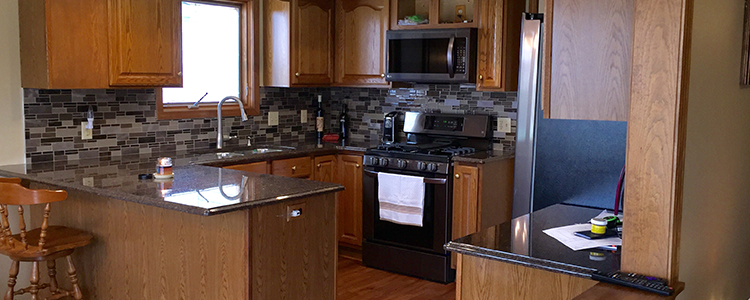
(198,186)
(485,157)
(521,241)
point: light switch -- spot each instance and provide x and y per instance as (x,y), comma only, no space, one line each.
(273,118)
(86,133)
(503,125)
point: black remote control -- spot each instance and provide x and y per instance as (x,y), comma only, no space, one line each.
(636,281)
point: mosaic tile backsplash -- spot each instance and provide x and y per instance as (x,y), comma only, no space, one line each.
(125,120)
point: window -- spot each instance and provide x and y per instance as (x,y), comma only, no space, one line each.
(218,52)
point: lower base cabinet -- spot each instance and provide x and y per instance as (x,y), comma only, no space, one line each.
(350,200)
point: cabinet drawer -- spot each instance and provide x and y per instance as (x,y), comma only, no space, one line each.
(258,167)
(300,167)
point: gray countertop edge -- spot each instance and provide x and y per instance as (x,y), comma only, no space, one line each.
(474,160)
(144,200)
(517,259)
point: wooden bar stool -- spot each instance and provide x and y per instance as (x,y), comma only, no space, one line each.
(46,243)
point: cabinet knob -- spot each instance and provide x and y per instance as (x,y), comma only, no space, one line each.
(179,73)
(357,165)
(458,176)
(294,168)
(382,75)
(296,74)
(318,165)
(481,77)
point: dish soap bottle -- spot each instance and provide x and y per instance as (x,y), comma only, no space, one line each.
(319,120)
(343,122)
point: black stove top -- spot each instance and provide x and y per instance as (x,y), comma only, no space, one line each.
(437,149)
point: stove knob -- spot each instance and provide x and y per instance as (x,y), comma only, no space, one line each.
(402,163)
(432,167)
(383,162)
(421,165)
(374,161)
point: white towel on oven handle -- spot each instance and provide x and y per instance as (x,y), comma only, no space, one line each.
(401,198)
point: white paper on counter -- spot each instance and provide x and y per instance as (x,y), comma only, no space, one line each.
(566,235)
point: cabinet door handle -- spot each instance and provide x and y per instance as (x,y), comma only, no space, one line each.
(481,77)
(294,168)
(179,73)
(296,74)
(382,75)
(357,165)
(458,176)
(318,165)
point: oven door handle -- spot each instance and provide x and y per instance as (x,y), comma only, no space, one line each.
(439,181)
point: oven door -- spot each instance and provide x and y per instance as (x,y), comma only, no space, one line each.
(436,223)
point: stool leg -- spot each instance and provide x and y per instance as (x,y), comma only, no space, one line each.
(12,280)
(34,281)
(74,279)
(52,271)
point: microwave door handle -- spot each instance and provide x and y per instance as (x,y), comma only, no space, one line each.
(449,56)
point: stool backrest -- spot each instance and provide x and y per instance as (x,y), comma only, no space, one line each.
(15,194)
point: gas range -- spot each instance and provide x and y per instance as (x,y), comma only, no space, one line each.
(432,157)
(432,140)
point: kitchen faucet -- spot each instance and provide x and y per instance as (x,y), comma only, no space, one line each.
(220,129)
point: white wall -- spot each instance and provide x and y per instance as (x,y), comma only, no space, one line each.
(715,249)
(11,95)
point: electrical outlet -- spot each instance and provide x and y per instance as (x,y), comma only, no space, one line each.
(88,181)
(86,134)
(503,125)
(273,118)
(303,116)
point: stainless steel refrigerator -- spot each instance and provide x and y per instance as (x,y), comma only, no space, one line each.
(529,89)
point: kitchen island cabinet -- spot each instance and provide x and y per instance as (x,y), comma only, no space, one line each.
(209,233)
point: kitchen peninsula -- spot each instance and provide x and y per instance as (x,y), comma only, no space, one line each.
(208,233)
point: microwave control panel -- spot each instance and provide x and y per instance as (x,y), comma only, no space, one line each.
(460,49)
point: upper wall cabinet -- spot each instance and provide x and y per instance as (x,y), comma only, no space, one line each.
(144,43)
(436,13)
(298,42)
(588,59)
(498,44)
(360,42)
(138,45)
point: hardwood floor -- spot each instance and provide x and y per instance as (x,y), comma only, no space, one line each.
(357,282)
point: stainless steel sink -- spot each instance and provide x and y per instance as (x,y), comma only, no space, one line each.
(265,150)
(222,155)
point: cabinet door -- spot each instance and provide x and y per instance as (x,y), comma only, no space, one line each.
(498,44)
(465,203)
(465,200)
(144,43)
(311,42)
(324,168)
(360,42)
(350,200)
(590,59)
(258,167)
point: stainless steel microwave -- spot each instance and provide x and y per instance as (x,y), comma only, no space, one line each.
(432,55)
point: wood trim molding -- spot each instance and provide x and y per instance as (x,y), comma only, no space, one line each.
(656,137)
(249,75)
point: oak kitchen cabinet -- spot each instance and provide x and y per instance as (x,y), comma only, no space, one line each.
(324,168)
(110,43)
(350,199)
(300,167)
(298,42)
(587,59)
(498,46)
(360,42)
(482,197)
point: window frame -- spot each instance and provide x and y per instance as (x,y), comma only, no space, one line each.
(249,69)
